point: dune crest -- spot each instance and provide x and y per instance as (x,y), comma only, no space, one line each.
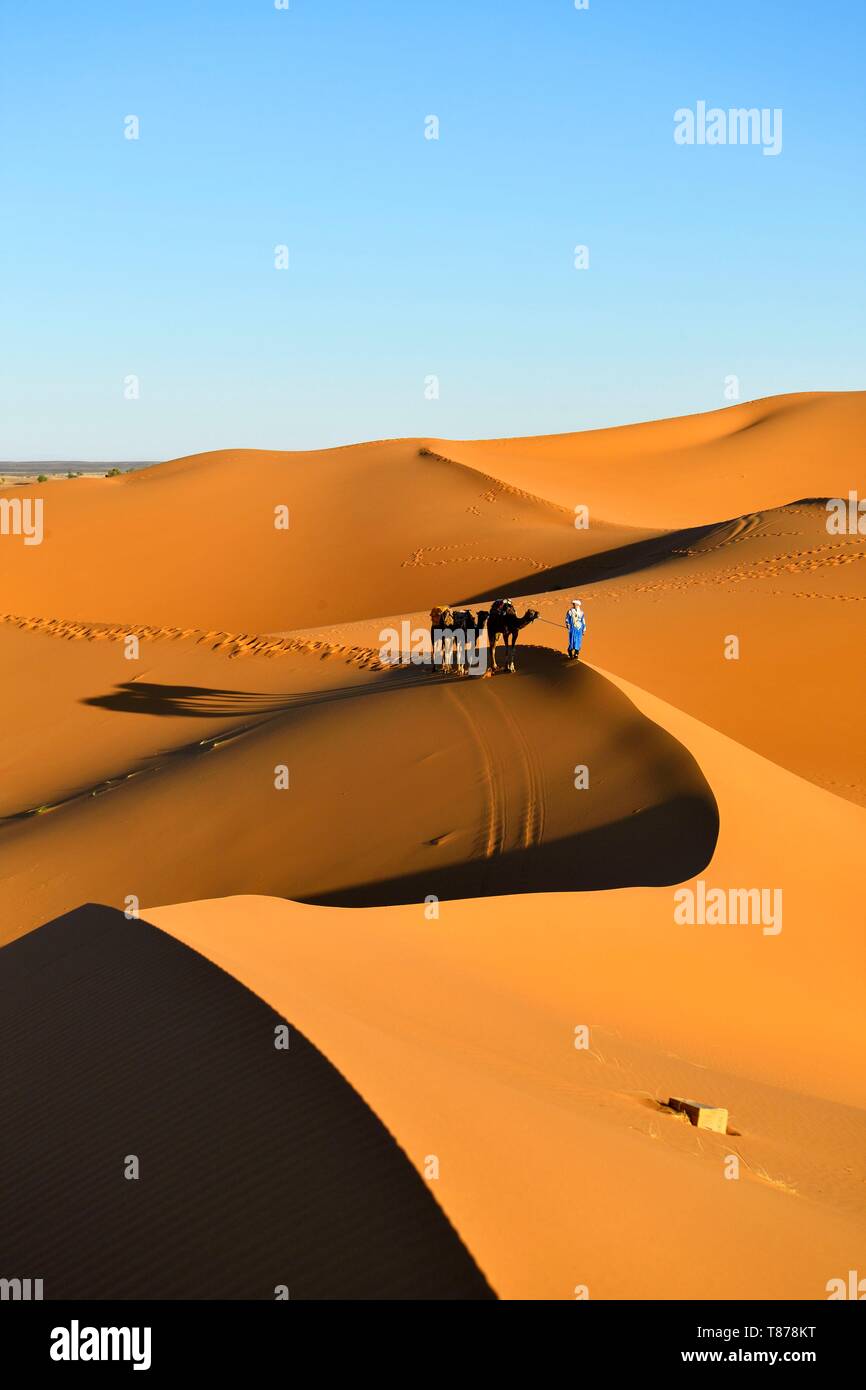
(692,469)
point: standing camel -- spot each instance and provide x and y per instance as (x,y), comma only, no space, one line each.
(441,638)
(505,624)
(465,639)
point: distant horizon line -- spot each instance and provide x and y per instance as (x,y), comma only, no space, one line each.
(11,464)
(24,469)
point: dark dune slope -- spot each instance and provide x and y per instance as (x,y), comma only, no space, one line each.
(258,1167)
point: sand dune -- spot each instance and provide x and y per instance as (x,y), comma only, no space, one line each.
(369,527)
(259,650)
(378,527)
(112,771)
(258,1167)
(661,614)
(694,469)
(795,599)
(459,1033)
(400,785)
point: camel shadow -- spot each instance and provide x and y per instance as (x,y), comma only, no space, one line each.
(186,701)
(208,702)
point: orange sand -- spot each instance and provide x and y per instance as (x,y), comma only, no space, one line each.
(259,648)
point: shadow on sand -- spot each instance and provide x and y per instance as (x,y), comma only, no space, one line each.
(259,1166)
(205,702)
(608,564)
(662,845)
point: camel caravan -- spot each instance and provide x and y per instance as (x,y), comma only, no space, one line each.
(455,637)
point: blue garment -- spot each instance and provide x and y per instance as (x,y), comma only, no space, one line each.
(576,628)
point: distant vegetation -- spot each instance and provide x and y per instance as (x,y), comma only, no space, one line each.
(113,473)
(43,478)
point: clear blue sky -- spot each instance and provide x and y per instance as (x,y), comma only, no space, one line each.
(411,257)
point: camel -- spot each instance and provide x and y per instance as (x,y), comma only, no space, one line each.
(454,639)
(441,621)
(465,644)
(507,626)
